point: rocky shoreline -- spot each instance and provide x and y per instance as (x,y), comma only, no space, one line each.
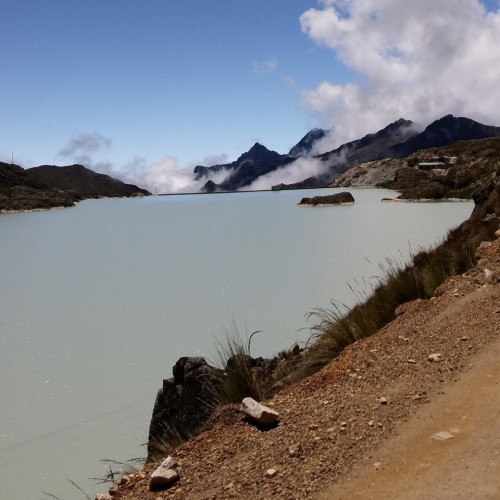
(338,417)
(47,187)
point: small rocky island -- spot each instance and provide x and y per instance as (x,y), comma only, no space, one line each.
(344,198)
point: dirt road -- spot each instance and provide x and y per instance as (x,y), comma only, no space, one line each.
(466,465)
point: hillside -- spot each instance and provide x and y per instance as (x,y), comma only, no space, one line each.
(458,171)
(85,182)
(48,186)
(336,423)
(19,191)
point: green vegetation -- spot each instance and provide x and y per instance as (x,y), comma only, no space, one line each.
(241,377)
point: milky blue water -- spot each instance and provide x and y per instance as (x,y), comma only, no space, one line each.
(97,302)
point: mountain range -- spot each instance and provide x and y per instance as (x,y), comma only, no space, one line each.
(397,140)
(47,186)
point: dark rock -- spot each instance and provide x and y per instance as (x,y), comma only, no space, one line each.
(184,404)
(331,199)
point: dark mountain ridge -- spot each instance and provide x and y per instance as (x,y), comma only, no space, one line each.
(257,161)
(20,191)
(85,182)
(397,140)
(49,186)
(443,132)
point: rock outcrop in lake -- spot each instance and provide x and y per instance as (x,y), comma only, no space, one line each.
(344,198)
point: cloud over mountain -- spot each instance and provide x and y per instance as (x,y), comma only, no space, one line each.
(419,60)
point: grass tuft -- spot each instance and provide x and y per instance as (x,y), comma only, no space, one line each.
(241,378)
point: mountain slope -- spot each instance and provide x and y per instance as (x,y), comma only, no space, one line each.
(19,191)
(442,132)
(87,183)
(257,161)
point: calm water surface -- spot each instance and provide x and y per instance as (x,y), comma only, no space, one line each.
(97,303)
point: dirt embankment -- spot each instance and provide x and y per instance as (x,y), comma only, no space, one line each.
(371,414)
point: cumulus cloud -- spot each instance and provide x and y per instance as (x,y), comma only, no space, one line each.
(414,60)
(163,176)
(264,68)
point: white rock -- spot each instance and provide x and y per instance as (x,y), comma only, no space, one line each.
(270,472)
(383,401)
(164,475)
(260,413)
(436,357)
(443,436)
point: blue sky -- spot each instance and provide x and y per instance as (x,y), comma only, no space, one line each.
(127,85)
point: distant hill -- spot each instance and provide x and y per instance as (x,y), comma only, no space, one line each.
(49,186)
(85,182)
(19,191)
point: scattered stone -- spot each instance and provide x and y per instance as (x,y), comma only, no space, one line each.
(464,338)
(313,427)
(371,423)
(489,276)
(343,424)
(270,473)
(164,475)
(443,436)
(412,361)
(377,465)
(435,357)
(230,485)
(294,450)
(258,412)
(383,401)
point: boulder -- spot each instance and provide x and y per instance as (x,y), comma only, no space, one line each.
(183,405)
(164,475)
(258,412)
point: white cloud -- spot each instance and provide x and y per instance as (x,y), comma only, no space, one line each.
(297,171)
(264,68)
(165,176)
(415,60)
